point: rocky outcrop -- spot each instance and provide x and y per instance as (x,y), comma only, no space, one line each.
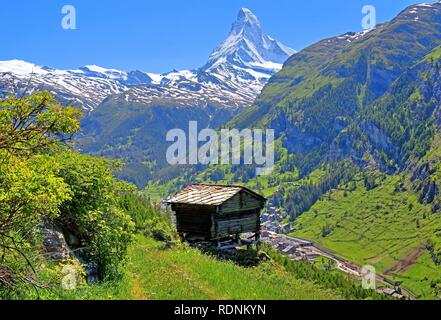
(426,186)
(59,246)
(379,139)
(54,244)
(295,140)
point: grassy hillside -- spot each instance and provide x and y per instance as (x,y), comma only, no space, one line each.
(385,227)
(189,274)
(156,273)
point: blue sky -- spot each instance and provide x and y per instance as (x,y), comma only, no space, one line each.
(161,35)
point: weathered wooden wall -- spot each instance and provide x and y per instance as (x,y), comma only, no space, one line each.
(240,214)
(243,201)
(235,223)
(194,219)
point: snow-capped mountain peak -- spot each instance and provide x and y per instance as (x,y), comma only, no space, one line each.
(100,72)
(20,67)
(234,75)
(126,78)
(76,87)
(247,46)
(245,19)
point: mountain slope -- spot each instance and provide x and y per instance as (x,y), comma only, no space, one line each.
(357,119)
(133,125)
(324,90)
(385,227)
(208,278)
(81,88)
(329,101)
(372,99)
(248,48)
(392,220)
(127,114)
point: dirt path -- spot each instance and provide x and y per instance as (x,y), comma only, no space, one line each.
(136,289)
(407,261)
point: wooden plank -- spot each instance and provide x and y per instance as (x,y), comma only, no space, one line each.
(242,201)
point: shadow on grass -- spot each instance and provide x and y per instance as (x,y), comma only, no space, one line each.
(242,257)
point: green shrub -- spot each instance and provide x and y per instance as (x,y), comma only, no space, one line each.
(148,218)
(93,213)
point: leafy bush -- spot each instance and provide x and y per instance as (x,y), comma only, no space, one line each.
(30,191)
(43,180)
(148,219)
(93,214)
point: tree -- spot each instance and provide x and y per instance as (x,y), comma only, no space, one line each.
(93,213)
(34,123)
(30,192)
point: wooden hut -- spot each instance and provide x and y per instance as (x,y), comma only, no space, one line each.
(216,212)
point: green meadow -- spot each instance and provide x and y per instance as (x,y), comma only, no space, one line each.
(154,272)
(384,227)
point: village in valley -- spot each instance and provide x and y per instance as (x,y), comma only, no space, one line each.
(274,232)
